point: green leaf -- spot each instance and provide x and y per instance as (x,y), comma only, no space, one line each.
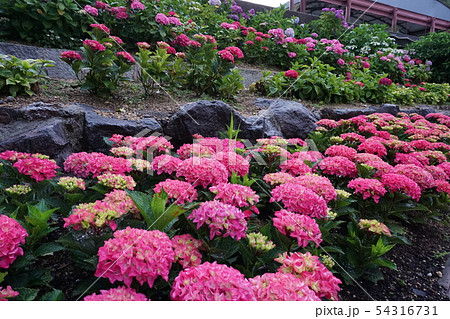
(158,203)
(26,294)
(2,276)
(143,202)
(386,263)
(48,249)
(54,295)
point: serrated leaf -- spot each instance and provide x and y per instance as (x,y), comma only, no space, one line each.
(48,249)
(26,294)
(55,295)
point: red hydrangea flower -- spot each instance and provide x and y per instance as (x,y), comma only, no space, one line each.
(222,219)
(400,183)
(314,274)
(136,254)
(291,74)
(385,81)
(237,53)
(368,188)
(39,169)
(11,236)
(211,282)
(299,199)
(339,166)
(182,40)
(372,146)
(299,226)
(281,287)
(187,251)
(117,294)
(226,55)
(180,191)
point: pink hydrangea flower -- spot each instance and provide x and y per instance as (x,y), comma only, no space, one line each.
(180,191)
(117,294)
(368,188)
(37,168)
(299,199)
(11,236)
(310,156)
(301,227)
(277,178)
(101,27)
(226,55)
(94,164)
(196,149)
(222,219)
(91,10)
(136,5)
(211,282)
(437,172)
(237,53)
(187,250)
(281,287)
(72,183)
(442,186)
(366,157)
(416,173)
(235,194)
(116,181)
(70,55)
(233,162)
(202,171)
(165,164)
(122,201)
(327,122)
(94,45)
(372,146)
(339,166)
(341,150)
(401,183)
(374,226)
(295,166)
(126,56)
(320,185)
(291,74)
(6,293)
(136,254)
(162,19)
(381,167)
(13,155)
(182,40)
(314,274)
(94,215)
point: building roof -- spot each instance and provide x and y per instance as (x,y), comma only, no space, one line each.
(432,8)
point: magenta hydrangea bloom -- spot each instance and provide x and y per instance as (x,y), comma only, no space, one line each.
(417,174)
(320,185)
(314,274)
(368,188)
(295,166)
(116,181)
(196,149)
(6,293)
(13,155)
(299,199)
(117,294)
(442,186)
(339,166)
(94,164)
(122,201)
(202,171)
(222,219)
(235,194)
(180,191)
(38,169)
(165,164)
(281,287)
(211,282)
(374,226)
(401,183)
(136,254)
(278,178)
(437,172)
(301,227)
(11,236)
(233,162)
(372,146)
(381,167)
(341,150)
(187,250)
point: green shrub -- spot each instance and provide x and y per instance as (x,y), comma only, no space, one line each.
(20,76)
(434,47)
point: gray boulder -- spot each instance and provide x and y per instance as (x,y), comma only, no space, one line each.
(292,118)
(207,118)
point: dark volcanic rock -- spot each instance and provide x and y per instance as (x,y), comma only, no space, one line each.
(207,118)
(97,127)
(292,118)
